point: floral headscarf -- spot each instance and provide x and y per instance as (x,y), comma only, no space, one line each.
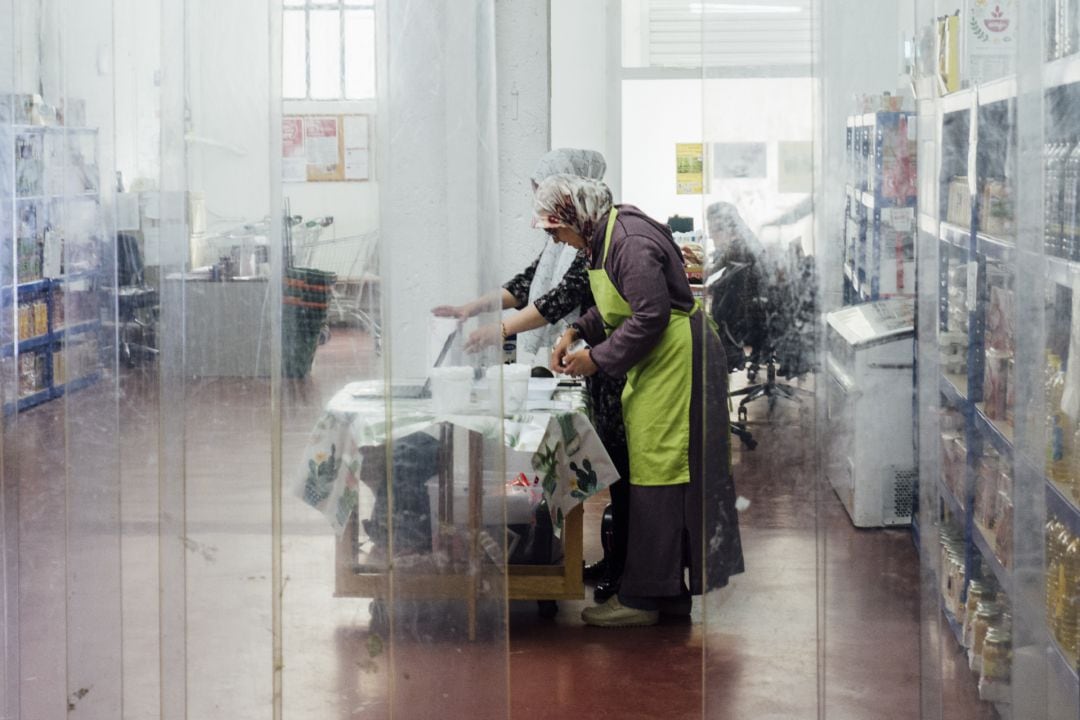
(569,161)
(571,201)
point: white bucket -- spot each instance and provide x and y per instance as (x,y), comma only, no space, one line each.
(451,389)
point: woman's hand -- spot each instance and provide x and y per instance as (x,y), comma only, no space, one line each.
(461,312)
(483,337)
(580,364)
(567,339)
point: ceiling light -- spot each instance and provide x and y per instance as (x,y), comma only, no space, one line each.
(741,9)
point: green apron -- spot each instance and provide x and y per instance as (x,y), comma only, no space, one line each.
(656,399)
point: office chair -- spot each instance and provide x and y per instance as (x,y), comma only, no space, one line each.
(783,342)
(137,303)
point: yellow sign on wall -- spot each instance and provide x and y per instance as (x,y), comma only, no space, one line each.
(689,168)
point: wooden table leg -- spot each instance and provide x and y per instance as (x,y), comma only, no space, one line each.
(476,489)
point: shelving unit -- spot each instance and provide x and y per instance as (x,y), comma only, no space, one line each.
(879,217)
(974,249)
(54,222)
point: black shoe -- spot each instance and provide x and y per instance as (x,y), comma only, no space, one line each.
(605,588)
(596,571)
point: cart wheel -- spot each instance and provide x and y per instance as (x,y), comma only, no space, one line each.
(547,609)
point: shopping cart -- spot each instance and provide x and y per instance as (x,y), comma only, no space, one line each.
(354,260)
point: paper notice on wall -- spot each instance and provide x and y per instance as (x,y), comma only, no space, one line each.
(689,168)
(322,144)
(357,154)
(293,154)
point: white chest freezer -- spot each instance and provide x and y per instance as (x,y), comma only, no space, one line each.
(870,436)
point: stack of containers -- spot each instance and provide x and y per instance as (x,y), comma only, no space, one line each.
(306,299)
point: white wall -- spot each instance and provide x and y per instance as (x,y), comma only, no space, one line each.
(580,87)
(521,33)
(755,110)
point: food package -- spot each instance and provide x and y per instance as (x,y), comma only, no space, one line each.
(995,379)
(997,215)
(959,207)
(1000,320)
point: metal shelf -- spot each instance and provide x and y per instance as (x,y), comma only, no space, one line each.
(929,224)
(30,401)
(998,432)
(986,549)
(1061,664)
(1061,271)
(953,391)
(955,235)
(995,247)
(954,625)
(78,329)
(22,128)
(954,505)
(995,91)
(1059,504)
(959,101)
(77,384)
(88,195)
(1064,71)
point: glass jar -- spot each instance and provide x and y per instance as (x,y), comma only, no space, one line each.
(986,614)
(997,654)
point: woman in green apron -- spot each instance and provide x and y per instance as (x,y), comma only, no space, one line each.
(647,327)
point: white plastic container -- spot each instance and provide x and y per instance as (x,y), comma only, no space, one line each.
(514,386)
(451,389)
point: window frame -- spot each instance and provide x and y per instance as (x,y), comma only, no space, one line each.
(341,6)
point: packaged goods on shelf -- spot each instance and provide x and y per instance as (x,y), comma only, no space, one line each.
(958,210)
(953,352)
(954,462)
(898,153)
(1000,320)
(1062,589)
(1069,209)
(29,164)
(958,307)
(31,373)
(948,69)
(995,389)
(951,545)
(1056,156)
(996,216)
(1062,28)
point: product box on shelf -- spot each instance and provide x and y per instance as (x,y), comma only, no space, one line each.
(995,387)
(948,52)
(996,216)
(958,210)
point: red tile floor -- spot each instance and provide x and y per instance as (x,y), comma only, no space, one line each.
(824,614)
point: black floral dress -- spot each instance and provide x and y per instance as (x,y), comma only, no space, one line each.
(573,293)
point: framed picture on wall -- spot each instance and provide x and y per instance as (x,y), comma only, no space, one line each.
(796,172)
(742,160)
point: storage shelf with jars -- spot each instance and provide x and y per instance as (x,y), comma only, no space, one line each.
(51,287)
(879,218)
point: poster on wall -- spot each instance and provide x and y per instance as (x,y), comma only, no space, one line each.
(325,148)
(293,154)
(689,169)
(356,148)
(739,160)
(796,172)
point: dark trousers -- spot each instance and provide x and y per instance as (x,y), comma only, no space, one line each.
(620,509)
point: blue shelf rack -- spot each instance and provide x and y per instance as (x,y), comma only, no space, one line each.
(48,344)
(866,200)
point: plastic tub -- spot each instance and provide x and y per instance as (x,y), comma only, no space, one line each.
(514,385)
(451,389)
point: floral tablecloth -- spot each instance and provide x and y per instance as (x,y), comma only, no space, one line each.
(569,461)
